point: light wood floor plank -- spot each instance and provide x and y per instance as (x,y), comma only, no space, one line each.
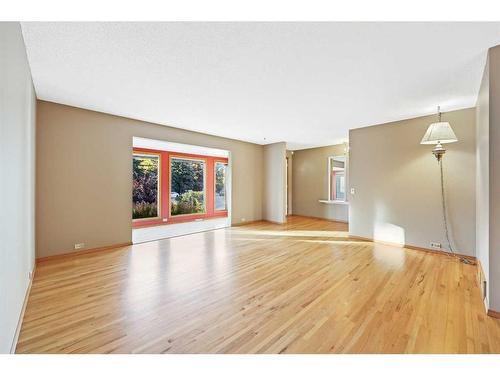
(302,287)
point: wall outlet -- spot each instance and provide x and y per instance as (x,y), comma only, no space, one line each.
(353,191)
(79,245)
(436,245)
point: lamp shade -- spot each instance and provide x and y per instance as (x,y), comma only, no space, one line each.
(439,132)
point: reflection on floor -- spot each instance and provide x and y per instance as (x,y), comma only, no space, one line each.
(303,287)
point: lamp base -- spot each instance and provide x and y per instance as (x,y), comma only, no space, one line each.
(438,151)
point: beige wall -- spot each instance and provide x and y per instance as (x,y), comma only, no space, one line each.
(488,178)
(397,186)
(482,177)
(17,171)
(84,179)
(494,178)
(310,183)
(274,199)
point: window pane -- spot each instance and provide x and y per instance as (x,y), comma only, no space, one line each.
(220,186)
(187,186)
(340,186)
(336,170)
(145,186)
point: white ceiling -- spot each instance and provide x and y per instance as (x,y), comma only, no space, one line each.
(303,83)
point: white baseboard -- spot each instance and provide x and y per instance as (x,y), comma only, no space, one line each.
(21,316)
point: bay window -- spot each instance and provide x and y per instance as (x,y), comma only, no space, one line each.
(172,187)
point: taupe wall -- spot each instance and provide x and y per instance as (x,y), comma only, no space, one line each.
(274,199)
(397,183)
(84,180)
(310,183)
(17,187)
(289,182)
(483,177)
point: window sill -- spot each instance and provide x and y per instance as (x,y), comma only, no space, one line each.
(326,201)
(177,220)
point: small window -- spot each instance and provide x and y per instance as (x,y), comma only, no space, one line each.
(220,186)
(339,186)
(336,178)
(187,186)
(145,190)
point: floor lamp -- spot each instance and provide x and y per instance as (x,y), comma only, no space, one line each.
(439,133)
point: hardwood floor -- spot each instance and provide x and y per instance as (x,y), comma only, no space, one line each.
(302,287)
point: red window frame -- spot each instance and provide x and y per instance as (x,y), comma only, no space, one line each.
(165,217)
(224,161)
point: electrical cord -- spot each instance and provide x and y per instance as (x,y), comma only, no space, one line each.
(443,201)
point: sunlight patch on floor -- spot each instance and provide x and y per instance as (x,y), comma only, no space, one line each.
(390,257)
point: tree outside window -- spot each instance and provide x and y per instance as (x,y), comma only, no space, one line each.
(145,196)
(187,186)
